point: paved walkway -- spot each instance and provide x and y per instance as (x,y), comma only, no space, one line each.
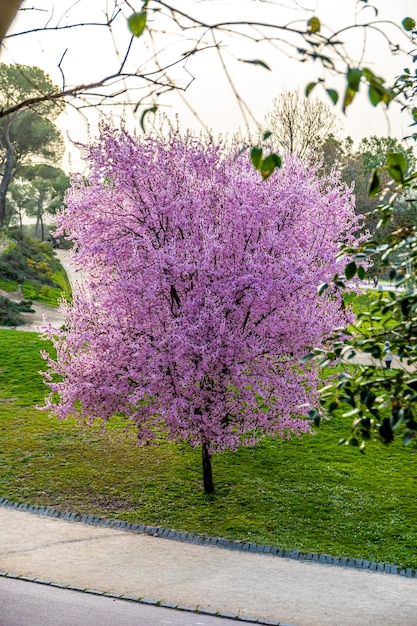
(363,358)
(259,586)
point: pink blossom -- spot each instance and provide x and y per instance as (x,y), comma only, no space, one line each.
(201,290)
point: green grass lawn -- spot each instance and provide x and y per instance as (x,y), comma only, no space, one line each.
(369,326)
(309,494)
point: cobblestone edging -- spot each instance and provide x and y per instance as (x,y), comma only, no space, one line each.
(166,533)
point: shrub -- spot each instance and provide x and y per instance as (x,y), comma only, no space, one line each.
(10,311)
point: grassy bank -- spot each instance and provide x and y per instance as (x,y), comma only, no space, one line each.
(305,494)
(33,265)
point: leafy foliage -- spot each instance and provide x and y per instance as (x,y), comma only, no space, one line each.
(200,292)
(10,311)
(382,402)
(34,266)
(21,81)
(26,259)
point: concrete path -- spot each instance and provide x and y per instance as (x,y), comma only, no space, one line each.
(363,358)
(266,587)
(24,603)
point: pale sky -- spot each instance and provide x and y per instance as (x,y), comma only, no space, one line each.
(91,53)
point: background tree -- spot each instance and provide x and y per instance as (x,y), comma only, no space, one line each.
(200,292)
(335,153)
(300,125)
(28,134)
(45,194)
(20,202)
(358,165)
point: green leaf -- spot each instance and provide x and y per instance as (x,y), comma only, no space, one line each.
(371,77)
(348,99)
(396,165)
(256,62)
(267,134)
(414,113)
(137,23)
(310,88)
(396,173)
(396,419)
(375,95)
(315,416)
(350,270)
(385,431)
(334,96)
(408,438)
(354,76)
(374,186)
(314,25)
(144,114)
(408,23)
(322,288)
(256,157)
(387,96)
(410,423)
(269,164)
(351,413)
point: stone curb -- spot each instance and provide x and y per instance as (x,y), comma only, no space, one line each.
(166,533)
(148,601)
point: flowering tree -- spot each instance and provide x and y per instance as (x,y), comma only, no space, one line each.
(200,292)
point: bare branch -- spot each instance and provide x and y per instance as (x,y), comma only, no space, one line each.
(168,25)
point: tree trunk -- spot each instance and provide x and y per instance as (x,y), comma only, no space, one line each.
(39,215)
(7,173)
(207,470)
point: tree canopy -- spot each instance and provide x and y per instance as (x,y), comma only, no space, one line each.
(27,134)
(300,125)
(45,193)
